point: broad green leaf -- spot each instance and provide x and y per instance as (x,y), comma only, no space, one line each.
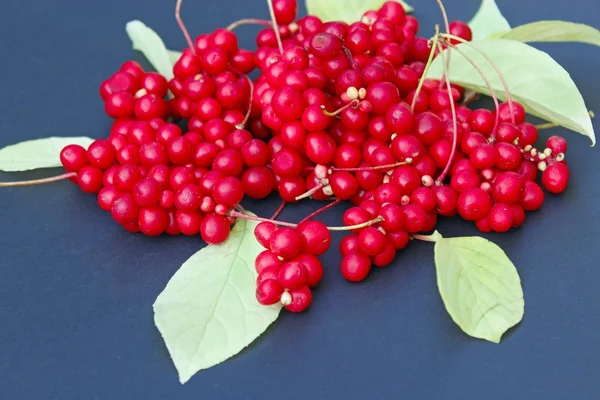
(346,10)
(553,31)
(37,153)
(488,20)
(208,312)
(479,285)
(174,56)
(534,79)
(151,45)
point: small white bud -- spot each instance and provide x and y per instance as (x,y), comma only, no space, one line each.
(352,93)
(560,157)
(405,200)
(140,93)
(528,147)
(393,136)
(548,152)
(386,179)
(328,191)
(321,171)
(280,258)
(533,152)
(362,93)
(325,181)
(286,298)
(516,141)
(293,27)
(486,186)
(390,172)
(427,181)
(542,166)
(542,156)
(408,160)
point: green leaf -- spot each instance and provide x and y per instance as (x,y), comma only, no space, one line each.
(553,31)
(479,285)
(208,312)
(534,79)
(174,56)
(38,153)
(488,20)
(151,45)
(346,10)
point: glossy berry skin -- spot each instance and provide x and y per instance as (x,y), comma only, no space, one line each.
(474,204)
(263,232)
(532,196)
(146,192)
(355,267)
(286,243)
(313,266)
(293,275)
(228,191)
(90,179)
(268,292)
(214,229)
(301,299)
(386,256)
(371,241)
(266,259)
(124,210)
(507,187)
(73,157)
(555,178)
(501,217)
(316,237)
(153,221)
(557,144)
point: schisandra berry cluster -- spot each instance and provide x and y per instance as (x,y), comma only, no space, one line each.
(338,111)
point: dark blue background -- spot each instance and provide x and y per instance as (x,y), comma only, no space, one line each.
(76,291)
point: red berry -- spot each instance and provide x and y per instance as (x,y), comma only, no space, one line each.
(146,192)
(507,188)
(188,222)
(355,267)
(286,243)
(386,256)
(313,266)
(416,218)
(263,232)
(555,178)
(73,157)
(268,292)
(124,210)
(474,204)
(501,217)
(214,229)
(106,197)
(301,299)
(228,191)
(371,241)
(316,237)
(532,196)
(153,221)
(293,275)
(557,144)
(259,182)
(90,179)
(266,259)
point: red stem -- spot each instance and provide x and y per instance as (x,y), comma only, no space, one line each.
(248,21)
(188,38)
(353,103)
(320,210)
(440,180)
(279,210)
(374,221)
(310,192)
(39,181)
(275,25)
(249,112)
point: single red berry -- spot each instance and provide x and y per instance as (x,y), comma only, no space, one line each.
(386,256)
(153,221)
(474,204)
(120,105)
(228,191)
(188,222)
(293,275)
(268,292)
(258,182)
(532,196)
(355,267)
(509,156)
(557,144)
(501,217)
(555,178)
(313,266)
(180,150)
(301,299)
(124,209)
(371,241)
(507,188)
(507,111)
(73,157)
(126,177)
(188,197)
(267,259)
(90,179)
(416,218)
(214,229)
(146,192)
(462,30)
(286,243)
(107,196)
(315,236)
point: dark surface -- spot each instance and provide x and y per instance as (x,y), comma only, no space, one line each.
(76,291)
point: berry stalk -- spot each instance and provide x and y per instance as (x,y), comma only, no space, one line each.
(40,181)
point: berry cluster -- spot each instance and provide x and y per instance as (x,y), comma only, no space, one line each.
(338,111)
(289,266)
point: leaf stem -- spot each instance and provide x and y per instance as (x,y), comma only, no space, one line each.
(275,25)
(442,176)
(548,125)
(279,209)
(447,26)
(320,210)
(502,80)
(429,61)
(182,26)
(39,181)
(434,237)
(248,21)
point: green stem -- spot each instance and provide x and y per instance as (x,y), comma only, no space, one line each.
(429,61)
